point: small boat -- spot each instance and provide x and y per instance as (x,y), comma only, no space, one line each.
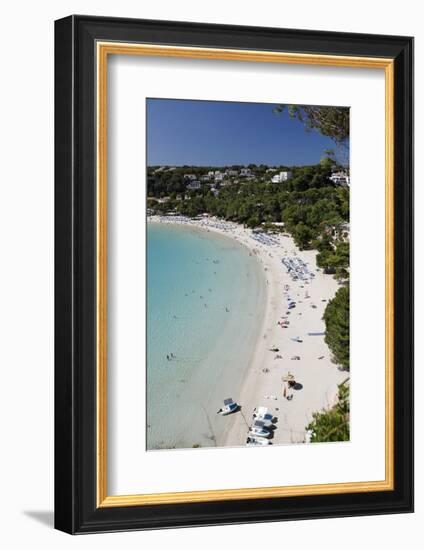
(262,414)
(267,421)
(259,429)
(253,441)
(229,407)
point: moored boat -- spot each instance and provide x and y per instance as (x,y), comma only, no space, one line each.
(259,429)
(229,407)
(253,441)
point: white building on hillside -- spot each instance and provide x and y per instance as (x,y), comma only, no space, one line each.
(280,177)
(340,178)
(245,172)
(194,184)
(218,176)
(231,173)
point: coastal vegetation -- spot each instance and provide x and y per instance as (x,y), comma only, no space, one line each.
(309,206)
(336,317)
(332,424)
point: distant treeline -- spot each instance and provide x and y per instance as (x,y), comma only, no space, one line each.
(163,181)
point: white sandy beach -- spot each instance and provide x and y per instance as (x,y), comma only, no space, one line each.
(316,375)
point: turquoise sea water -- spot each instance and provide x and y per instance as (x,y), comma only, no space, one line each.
(205,298)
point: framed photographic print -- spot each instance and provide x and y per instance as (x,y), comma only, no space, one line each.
(234,274)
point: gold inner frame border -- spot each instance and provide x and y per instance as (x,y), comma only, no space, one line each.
(103,50)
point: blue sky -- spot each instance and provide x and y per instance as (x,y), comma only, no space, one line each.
(219,133)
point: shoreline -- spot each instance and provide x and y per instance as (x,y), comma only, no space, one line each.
(316,375)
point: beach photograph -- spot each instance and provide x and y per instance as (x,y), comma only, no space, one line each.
(247,270)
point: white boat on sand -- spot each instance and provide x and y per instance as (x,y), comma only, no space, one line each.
(259,429)
(265,415)
(253,441)
(229,407)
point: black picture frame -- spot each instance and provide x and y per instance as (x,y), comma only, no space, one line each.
(76,510)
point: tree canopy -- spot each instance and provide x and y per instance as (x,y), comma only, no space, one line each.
(309,204)
(336,317)
(332,424)
(332,122)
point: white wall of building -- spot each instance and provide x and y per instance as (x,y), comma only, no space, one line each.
(281,176)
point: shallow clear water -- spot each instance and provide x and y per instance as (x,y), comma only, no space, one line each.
(205,298)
